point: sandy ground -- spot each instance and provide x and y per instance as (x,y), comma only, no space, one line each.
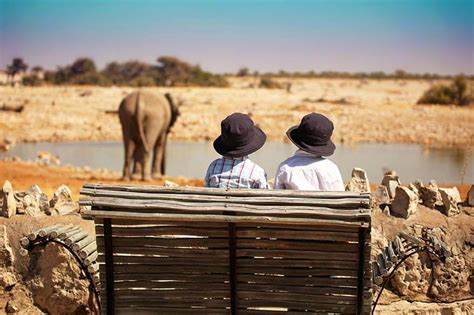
(362,110)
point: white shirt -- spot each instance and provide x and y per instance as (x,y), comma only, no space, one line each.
(305,171)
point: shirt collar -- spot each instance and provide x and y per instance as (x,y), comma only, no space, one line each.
(243,158)
(300,152)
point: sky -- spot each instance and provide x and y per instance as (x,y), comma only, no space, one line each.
(435,36)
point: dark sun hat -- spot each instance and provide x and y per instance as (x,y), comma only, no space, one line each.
(313,135)
(239,136)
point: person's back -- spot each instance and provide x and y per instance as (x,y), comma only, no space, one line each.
(308,169)
(229,172)
(239,138)
(305,171)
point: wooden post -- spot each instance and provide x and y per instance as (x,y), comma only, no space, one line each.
(233,269)
(360,271)
(109,266)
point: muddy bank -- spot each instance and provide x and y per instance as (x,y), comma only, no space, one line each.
(362,110)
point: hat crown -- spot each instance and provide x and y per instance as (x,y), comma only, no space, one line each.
(316,128)
(237,129)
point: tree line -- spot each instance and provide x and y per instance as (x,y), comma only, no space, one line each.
(169,71)
(377,75)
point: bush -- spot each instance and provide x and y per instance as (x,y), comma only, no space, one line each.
(456,93)
(268,83)
(90,79)
(32,80)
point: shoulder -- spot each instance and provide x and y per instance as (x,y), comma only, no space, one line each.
(256,169)
(214,163)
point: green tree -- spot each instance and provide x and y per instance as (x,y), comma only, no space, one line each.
(17,66)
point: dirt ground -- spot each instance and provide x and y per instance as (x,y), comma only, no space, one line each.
(382,111)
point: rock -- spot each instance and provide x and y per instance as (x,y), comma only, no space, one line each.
(380,195)
(8,200)
(32,202)
(451,198)
(62,202)
(430,195)
(169,183)
(359,181)
(11,307)
(453,275)
(470,196)
(6,253)
(391,182)
(7,279)
(405,202)
(57,284)
(62,194)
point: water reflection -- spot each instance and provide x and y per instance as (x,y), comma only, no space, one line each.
(191,159)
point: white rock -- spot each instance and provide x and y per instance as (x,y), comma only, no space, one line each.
(391,182)
(6,253)
(451,198)
(8,200)
(381,195)
(405,202)
(169,183)
(359,181)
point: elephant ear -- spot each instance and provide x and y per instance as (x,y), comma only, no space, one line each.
(140,116)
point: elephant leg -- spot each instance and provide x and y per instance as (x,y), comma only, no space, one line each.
(129,156)
(143,162)
(159,157)
(137,166)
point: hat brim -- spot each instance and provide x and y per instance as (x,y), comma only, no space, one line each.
(253,145)
(322,150)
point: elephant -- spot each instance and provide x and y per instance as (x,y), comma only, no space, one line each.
(146,120)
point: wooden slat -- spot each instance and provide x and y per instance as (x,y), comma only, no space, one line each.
(315,263)
(244,286)
(169,242)
(123,285)
(212,278)
(328,246)
(171,252)
(130,302)
(157,231)
(308,305)
(297,235)
(222,192)
(295,297)
(216,218)
(298,281)
(169,206)
(297,271)
(143,310)
(297,254)
(165,261)
(131,269)
(171,294)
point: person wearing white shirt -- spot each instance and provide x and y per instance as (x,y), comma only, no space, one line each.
(309,168)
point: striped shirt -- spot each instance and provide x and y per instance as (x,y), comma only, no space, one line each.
(241,172)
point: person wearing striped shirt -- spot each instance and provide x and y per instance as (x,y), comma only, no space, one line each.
(239,138)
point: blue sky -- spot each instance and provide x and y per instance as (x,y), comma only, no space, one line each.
(266,35)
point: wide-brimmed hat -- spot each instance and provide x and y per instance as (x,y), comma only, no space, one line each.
(313,135)
(239,136)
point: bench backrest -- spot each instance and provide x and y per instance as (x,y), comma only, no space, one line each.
(214,251)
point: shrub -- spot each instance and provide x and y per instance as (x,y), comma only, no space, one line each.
(32,80)
(456,93)
(268,83)
(90,79)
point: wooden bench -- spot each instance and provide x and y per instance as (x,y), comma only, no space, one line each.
(212,251)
